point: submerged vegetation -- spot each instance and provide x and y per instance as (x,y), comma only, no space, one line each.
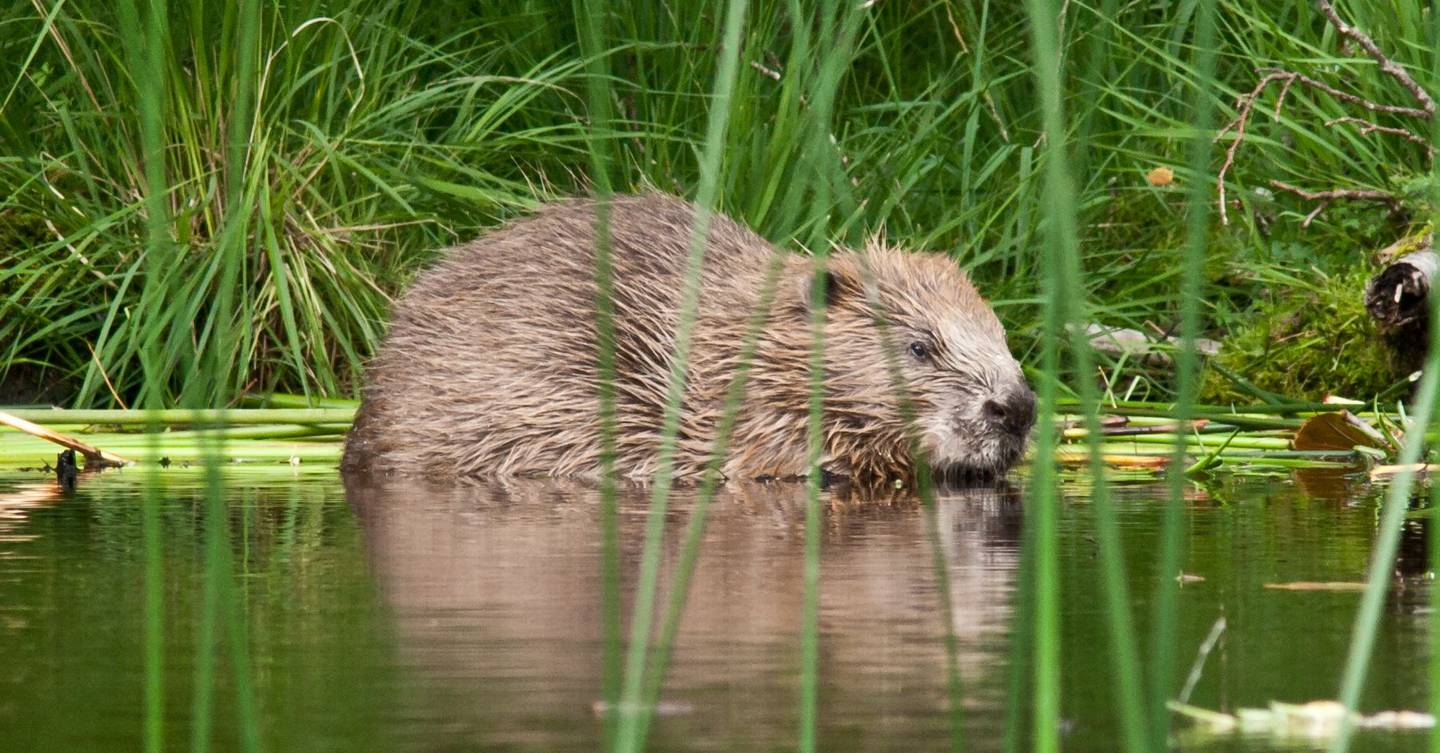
(315,155)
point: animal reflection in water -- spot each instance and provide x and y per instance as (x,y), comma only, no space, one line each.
(496,595)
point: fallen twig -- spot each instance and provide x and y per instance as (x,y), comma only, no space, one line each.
(93,455)
(1367,128)
(1325,197)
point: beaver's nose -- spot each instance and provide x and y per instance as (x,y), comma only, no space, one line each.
(1014,409)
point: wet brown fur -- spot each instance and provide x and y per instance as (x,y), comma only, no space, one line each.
(489,366)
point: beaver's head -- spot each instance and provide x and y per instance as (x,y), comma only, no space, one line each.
(916,316)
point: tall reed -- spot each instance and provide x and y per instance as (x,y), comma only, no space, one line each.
(628,736)
(1044,498)
(592,15)
(143,28)
(1171,556)
(1397,497)
(837,31)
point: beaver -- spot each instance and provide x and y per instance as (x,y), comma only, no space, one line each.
(489,367)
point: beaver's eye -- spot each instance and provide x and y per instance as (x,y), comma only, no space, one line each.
(919,350)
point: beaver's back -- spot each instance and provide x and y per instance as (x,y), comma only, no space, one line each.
(489,366)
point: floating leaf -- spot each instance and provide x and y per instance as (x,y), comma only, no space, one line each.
(1341,430)
(1317,720)
(1309,585)
(1385,471)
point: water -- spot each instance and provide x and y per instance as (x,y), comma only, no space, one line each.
(414,618)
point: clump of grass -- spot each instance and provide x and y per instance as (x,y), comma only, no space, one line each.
(1306,337)
(306,152)
(32,271)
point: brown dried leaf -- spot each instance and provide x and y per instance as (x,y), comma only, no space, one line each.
(1341,430)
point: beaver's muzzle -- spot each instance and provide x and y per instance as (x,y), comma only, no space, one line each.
(1012,410)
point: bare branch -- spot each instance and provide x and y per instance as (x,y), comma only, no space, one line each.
(1245,106)
(1366,128)
(1309,218)
(1349,98)
(1390,67)
(92,454)
(1326,197)
(1284,91)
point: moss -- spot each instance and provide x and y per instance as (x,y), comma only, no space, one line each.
(1307,337)
(20,232)
(1416,239)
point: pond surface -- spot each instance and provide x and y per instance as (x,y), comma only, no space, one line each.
(417,618)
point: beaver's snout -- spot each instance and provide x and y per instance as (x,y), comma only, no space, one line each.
(1012,410)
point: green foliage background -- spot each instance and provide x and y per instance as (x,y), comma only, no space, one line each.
(318,154)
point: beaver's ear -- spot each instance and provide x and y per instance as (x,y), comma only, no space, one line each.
(842,284)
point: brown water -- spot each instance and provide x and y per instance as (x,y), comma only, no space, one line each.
(421,618)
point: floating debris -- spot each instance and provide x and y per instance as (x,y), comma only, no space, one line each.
(662,708)
(1316,720)
(1341,430)
(1307,585)
(1255,439)
(1386,471)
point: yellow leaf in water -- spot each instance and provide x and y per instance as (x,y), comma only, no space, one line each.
(1385,471)
(1160,176)
(1305,585)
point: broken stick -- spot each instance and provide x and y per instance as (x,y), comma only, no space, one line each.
(92,454)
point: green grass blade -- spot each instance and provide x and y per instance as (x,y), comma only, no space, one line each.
(1041,506)
(695,528)
(1434,626)
(591,15)
(1171,556)
(40,38)
(144,34)
(835,39)
(1387,541)
(628,734)
(1064,312)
